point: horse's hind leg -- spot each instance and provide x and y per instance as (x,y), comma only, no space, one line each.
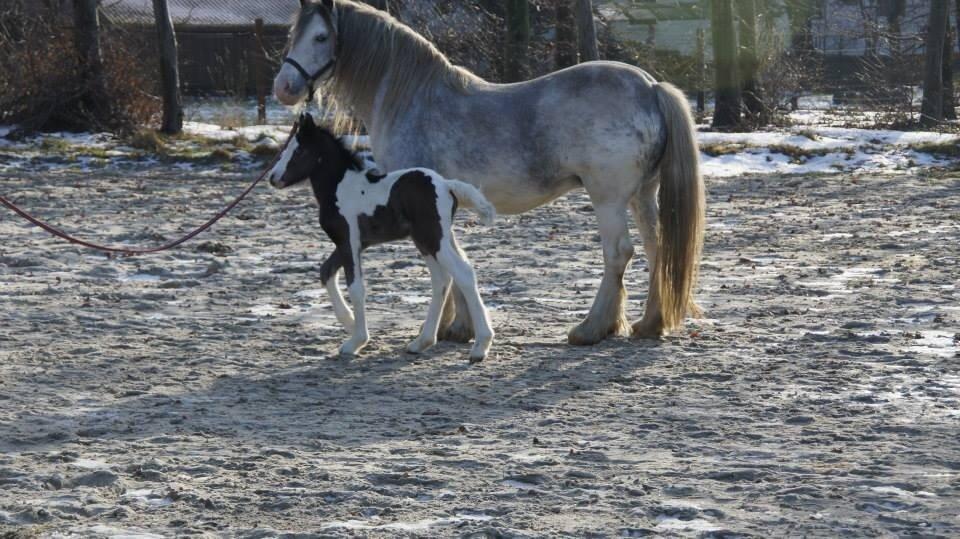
(607,314)
(645,213)
(440,280)
(455,324)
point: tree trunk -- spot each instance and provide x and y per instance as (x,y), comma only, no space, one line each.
(86,19)
(748,60)
(518,41)
(587,32)
(169,73)
(949,101)
(931,111)
(700,57)
(957,13)
(726,81)
(565,53)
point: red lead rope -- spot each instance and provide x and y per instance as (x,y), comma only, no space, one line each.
(126,251)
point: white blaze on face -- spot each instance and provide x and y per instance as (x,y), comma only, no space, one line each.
(278,170)
(313,50)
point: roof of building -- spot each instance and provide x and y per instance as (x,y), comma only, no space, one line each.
(204,12)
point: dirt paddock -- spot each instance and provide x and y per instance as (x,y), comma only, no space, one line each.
(194,393)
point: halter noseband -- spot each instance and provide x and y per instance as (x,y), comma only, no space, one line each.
(311,80)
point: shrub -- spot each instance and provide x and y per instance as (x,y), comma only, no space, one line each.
(43,88)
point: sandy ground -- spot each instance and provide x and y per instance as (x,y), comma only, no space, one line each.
(194,392)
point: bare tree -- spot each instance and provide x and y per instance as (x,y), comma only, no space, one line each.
(587,31)
(518,40)
(169,72)
(565,53)
(749,64)
(726,80)
(931,111)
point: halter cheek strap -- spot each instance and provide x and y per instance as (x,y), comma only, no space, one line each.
(311,80)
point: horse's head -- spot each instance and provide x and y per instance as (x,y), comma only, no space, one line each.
(312,151)
(311,52)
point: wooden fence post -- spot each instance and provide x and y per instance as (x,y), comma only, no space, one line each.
(259,71)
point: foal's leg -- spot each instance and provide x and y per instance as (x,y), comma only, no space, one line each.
(358,296)
(330,278)
(455,262)
(606,316)
(645,213)
(440,280)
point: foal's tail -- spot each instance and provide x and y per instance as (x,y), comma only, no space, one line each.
(473,198)
(682,212)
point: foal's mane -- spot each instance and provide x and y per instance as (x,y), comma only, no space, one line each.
(373,46)
(353,161)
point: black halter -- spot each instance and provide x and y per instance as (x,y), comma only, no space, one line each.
(311,80)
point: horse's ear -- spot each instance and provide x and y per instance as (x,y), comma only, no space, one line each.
(308,120)
(328,4)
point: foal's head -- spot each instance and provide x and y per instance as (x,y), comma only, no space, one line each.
(313,151)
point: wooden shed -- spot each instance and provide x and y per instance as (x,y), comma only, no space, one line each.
(218,45)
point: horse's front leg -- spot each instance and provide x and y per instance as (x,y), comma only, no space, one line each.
(456,324)
(330,278)
(358,296)
(607,314)
(440,280)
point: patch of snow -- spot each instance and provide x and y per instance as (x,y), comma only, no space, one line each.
(696,524)
(416,526)
(147,497)
(90,464)
(107,532)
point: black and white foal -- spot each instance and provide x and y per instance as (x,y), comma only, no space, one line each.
(362,207)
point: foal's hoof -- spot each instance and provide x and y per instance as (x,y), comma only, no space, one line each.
(588,332)
(456,332)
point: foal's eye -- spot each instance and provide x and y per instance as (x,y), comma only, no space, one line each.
(321,38)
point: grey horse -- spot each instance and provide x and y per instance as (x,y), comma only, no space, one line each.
(605,126)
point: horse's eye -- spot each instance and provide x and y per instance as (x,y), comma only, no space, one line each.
(321,39)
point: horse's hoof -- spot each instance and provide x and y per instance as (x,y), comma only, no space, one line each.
(474,359)
(418,347)
(648,330)
(589,333)
(456,332)
(351,350)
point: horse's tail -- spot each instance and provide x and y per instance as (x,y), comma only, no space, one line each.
(473,198)
(682,212)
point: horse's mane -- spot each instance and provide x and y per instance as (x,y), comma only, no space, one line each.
(373,45)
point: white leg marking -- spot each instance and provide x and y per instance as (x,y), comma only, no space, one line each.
(440,280)
(358,296)
(340,308)
(455,262)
